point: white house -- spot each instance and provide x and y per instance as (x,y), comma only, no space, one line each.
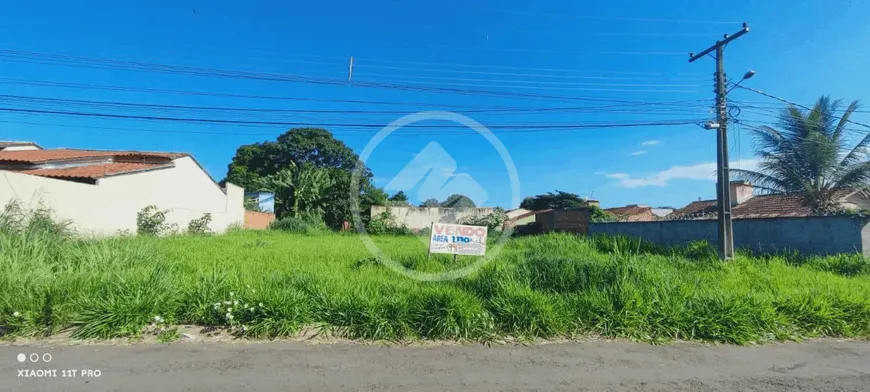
(101,192)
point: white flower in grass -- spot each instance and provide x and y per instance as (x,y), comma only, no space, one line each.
(244,328)
(253,291)
(229,316)
(232,293)
(158,319)
(229,310)
(260,304)
(16,314)
(246,306)
(227,302)
(235,303)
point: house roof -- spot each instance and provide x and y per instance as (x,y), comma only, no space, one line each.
(761,206)
(629,210)
(42,156)
(94,172)
(8,143)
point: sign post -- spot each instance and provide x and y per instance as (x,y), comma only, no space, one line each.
(457,240)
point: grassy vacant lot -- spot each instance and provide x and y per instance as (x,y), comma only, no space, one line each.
(272,284)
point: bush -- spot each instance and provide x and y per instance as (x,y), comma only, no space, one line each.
(385,223)
(252,204)
(299,224)
(199,226)
(15,220)
(494,221)
(152,221)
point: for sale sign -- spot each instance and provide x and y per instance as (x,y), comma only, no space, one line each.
(457,239)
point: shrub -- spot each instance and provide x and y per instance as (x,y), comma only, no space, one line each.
(385,223)
(494,221)
(299,224)
(16,220)
(199,226)
(152,221)
(252,204)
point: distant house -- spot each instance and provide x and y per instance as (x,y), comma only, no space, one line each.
(101,192)
(662,212)
(744,204)
(633,213)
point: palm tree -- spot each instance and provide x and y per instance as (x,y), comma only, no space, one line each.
(809,155)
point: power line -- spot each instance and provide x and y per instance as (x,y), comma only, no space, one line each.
(579,33)
(413,83)
(540,82)
(569,52)
(260,111)
(76,61)
(615,104)
(533,127)
(527,75)
(791,103)
(606,18)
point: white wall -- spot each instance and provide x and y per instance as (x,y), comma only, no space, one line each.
(111,205)
(422,217)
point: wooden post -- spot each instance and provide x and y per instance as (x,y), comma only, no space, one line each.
(429,248)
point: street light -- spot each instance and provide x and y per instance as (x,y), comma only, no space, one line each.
(748,75)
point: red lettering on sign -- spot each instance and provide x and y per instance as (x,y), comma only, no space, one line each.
(439,229)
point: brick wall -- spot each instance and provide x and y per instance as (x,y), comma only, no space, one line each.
(575,221)
(258,220)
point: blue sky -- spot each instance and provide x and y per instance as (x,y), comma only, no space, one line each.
(534,56)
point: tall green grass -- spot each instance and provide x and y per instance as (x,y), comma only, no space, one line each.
(268,284)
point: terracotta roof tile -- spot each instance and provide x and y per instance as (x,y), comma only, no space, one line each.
(629,210)
(632,213)
(760,206)
(39,156)
(95,171)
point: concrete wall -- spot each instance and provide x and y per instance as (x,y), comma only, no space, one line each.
(111,205)
(417,218)
(810,235)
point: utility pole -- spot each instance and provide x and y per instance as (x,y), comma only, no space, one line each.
(723,183)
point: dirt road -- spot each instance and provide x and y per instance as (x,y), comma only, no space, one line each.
(589,366)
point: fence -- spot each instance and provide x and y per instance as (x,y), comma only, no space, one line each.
(819,235)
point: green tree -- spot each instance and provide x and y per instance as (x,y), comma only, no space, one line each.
(559,200)
(458,201)
(300,146)
(281,184)
(399,199)
(564,201)
(399,196)
(298,189)
(430,203)
(809,155)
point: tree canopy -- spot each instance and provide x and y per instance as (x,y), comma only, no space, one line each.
(809,155)
(559,200)
(316,157)
(458,201)
(430,203)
